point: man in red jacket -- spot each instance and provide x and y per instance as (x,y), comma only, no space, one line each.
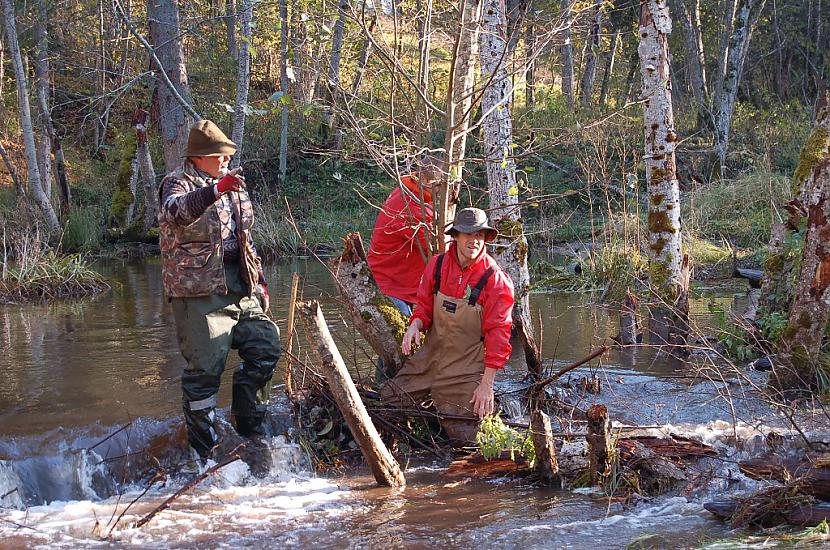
(398,252)
(464,305)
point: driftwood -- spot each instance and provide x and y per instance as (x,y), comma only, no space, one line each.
(767,514)
(477,466)
(292,308)
(383,465)
(374,316)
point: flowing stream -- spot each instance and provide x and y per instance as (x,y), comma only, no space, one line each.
(89,387)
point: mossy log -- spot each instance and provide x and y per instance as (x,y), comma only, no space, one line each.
(372,313)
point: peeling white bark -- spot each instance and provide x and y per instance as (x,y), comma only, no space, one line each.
(243,78)
(510,248)
(665,241)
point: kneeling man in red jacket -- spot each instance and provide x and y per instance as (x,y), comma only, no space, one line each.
(464,305)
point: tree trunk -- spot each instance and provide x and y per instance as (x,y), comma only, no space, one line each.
(459,107)
(609,68)
(243,78)
(530,64)
(374,316)
(230,28)
(284,88)
(333,80)
(175,122)
(145,166)
(665,241)
(546,464)
(689,14)
(631,78)
(600,443)
(18,185)
(422,116)
(567,53)
(42,100)
(746,18)
(730,6)
(305,69)
(801,340)
(34,182)
(383,465)
(510,250)
(586,88)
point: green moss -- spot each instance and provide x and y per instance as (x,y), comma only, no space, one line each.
(659,222)
(122,197)
(510,228)
(365,315)
(774,263)
(391,314)
(658,274)
(814,150)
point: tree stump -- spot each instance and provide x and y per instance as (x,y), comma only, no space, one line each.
(600,446)
(546,464)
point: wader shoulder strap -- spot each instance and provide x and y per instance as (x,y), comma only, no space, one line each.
(437,274)
(476,292)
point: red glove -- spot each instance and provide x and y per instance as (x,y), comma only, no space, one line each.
(229,183)
(264,299)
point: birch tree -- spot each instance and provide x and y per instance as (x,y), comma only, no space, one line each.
(284,89)
(333,80)
(459,107)
(174,120)
(35,185)
(688,12)
(511,245)
(567,54)
(592,47)
(666,273)
(243,78)
(230,28)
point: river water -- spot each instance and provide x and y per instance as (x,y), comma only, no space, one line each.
(89,387)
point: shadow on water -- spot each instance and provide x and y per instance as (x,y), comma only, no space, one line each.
(75,373)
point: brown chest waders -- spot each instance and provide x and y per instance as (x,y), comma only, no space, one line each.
(449,365)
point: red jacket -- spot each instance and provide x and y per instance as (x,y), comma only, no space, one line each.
(394,255)
(496,299)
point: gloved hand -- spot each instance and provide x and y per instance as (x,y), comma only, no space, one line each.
(264,299)
(229,183)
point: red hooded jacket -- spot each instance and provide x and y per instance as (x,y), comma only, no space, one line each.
(394,255)
(496,299)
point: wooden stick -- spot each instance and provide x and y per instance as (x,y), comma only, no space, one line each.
(571,367)
(383,465)
(292,306)
(189,485)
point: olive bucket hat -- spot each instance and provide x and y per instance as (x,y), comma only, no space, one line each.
(470,220)
(207,140)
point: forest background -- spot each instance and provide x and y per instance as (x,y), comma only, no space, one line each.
(332,101)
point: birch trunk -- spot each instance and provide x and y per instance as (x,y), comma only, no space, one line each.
(34,182)
(586,88)
(333,76)
(530,64)
(801,340)
(304,70)
(145,167)
(746,19)
(284,88)
(230,28)
(422,120)
(510,249)
(459,106)
(665,242)
(609,68)
(730,6)
(567,53)
(174,120)
(689,14)
(42,101)
(243,78)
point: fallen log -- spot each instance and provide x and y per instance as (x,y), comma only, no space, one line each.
(805,515)
(372,313)
(811,470)
(477,466)
(383,465)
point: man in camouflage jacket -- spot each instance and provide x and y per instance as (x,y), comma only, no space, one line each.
(213,277)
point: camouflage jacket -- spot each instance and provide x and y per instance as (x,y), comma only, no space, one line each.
(190,234)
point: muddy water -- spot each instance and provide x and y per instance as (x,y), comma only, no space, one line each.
(74,373)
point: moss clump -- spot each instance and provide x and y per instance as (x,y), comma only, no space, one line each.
(658,274)
(658,175)
(774,263)
(659,222)
(391,315)
(510,228)
(123,199)
(658,246)
(814,150)
(657,199)
(365,315)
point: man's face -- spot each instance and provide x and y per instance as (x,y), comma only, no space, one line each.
(470,245)
(212,166)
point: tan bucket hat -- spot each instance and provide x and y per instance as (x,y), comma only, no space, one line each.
(470,220)
(207,140)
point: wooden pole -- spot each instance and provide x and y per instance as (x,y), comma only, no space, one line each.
(600,446)
(292,307)
(546,464)
(383,465)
